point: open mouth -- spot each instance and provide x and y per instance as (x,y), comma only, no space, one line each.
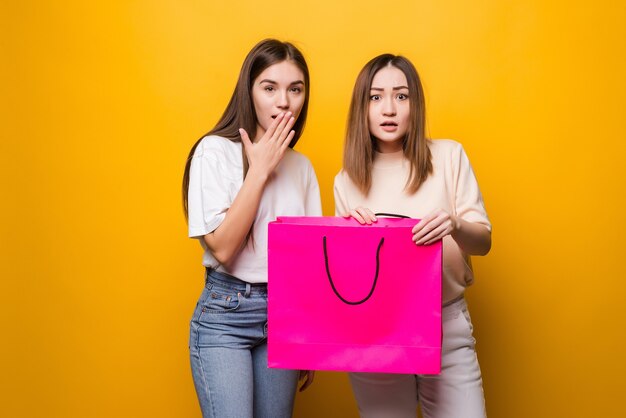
(389,126)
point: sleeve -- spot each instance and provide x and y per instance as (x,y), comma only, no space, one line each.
(469,201)
(208,197)
(313,203)
(341,204)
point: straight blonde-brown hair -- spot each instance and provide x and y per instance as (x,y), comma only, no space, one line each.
(360,145)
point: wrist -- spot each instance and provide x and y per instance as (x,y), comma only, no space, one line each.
(257,176)
(456,224)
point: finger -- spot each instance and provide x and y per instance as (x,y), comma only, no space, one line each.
(430,222)
(422,223)
(245,139)
(366,217)
(309,376)
(274,125)
(357,216)
(371,215)
(434,235)
(276,135)
(427,227)
(447,229)
(427,219)
(287,131)
(287,141)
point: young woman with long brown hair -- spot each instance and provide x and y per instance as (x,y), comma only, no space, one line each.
(238,178)
(390,166)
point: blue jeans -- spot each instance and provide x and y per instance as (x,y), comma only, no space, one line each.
(228,351)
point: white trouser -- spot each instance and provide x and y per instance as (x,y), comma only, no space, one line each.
(457,392)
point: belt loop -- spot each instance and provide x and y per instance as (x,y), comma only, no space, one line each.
(247,290)
(207,280)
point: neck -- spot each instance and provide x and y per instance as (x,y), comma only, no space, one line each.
(389,159)
(388,147)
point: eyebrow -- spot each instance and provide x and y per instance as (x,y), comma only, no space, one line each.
(395,88)
(266,80)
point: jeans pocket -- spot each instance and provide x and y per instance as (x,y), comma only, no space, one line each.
(219,302)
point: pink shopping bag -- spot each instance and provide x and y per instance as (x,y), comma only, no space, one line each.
(349,297)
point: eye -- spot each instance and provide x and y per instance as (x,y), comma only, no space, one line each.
(375,97)
(402,96)
(296,90)
(269,88)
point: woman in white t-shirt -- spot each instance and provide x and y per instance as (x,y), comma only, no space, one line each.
(391,167)
(238,178)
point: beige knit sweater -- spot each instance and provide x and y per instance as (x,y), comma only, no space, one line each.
(451,187)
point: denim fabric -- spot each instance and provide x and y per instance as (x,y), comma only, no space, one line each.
(228,351)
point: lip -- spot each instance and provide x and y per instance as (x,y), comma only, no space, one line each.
(389,126)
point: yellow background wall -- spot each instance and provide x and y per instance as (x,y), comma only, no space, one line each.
(101,101)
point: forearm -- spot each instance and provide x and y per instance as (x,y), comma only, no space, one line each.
(225,242)
(473,238)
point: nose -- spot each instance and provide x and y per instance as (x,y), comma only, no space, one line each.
(282,100)
(389,107)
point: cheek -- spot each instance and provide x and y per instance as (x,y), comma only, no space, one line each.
(258,107)
(261,111)
(406,115)
(297,106)
(370,124)
(370,118)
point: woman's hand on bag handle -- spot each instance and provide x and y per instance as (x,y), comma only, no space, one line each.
(265,154)
(306,376)
(433,227)
(473,238)
(363,215)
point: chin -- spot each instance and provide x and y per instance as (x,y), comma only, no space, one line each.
(390,140)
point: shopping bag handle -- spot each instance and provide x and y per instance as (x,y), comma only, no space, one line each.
(391,214)
(332,284)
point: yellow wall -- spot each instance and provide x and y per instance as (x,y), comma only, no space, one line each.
(101,101)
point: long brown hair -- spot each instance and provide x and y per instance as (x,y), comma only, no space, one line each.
(240,112)
(358,154)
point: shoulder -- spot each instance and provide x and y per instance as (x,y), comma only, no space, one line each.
(340,176)
(218,148)
(211,144)
(444,147)
(296,161)
(297,157)
(343,181)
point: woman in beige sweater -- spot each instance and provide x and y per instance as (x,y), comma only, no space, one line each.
(390,166)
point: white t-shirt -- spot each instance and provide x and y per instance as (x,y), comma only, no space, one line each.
(215,178)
